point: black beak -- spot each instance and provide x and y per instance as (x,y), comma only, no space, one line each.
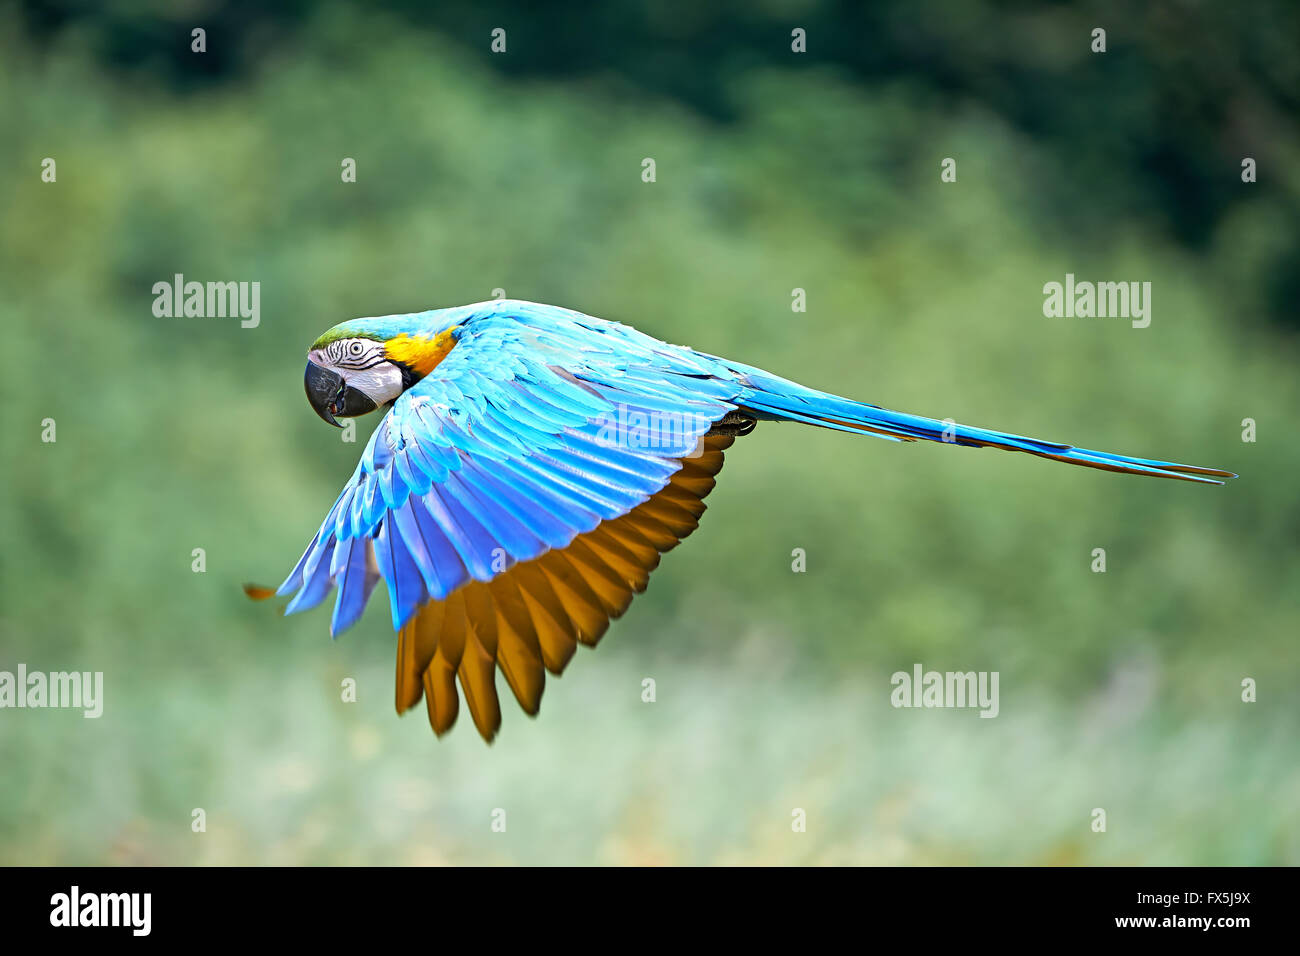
(329,395)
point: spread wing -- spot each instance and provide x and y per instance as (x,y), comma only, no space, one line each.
(513,500)
(531,618)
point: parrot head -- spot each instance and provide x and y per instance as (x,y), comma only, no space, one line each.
(364,364)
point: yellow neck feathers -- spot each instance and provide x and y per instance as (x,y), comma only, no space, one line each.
(420,353)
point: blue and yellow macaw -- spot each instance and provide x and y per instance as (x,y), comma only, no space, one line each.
(532,466)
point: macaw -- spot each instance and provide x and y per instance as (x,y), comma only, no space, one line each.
(532,465)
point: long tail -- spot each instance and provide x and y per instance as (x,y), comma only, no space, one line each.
(768,397)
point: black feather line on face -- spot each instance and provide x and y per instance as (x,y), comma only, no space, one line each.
(409,377)
(341,354)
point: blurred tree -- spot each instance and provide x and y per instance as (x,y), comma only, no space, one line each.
(1164,117)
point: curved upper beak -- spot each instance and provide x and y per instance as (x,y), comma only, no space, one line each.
(330,395)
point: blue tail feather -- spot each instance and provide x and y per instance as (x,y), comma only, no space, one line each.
(769,397)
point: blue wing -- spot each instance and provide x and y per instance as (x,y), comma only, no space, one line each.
(539,425)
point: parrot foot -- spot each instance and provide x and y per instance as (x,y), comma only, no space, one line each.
(734,424)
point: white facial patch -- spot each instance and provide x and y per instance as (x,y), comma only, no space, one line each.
(382,383)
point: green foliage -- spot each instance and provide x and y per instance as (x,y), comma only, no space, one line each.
(1119,690)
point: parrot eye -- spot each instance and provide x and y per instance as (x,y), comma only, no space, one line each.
(355,348)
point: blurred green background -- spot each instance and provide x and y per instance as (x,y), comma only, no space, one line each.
(522,171)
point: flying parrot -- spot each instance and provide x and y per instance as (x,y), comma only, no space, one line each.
(532,465)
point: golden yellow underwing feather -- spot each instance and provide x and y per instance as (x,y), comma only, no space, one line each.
(441,690)
(479,610)
(520,663)
(478,684)
(612,592)
(416,643)
(514,612)
(677,520)
(619,559)
(580,604)
(440,694)
(653,531)
(554,629)
(682,499)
